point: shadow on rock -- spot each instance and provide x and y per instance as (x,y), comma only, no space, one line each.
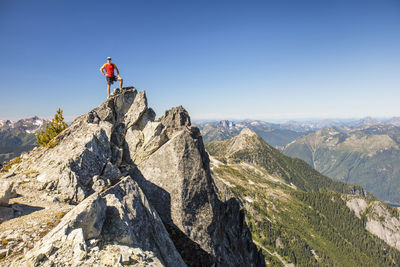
(16,210)
(190,251)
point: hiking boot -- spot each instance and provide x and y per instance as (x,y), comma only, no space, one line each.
(117,91)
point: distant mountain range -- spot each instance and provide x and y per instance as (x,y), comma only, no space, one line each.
(17,137)
(364,151)
(395,121)
(345,124)
(368,155)
(280,134)
(272,133)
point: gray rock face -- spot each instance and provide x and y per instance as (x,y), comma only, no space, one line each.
(175,118)
(379,221)
(116,228)
(92,147)
(177,181)
(387,229)
(66,242)
(6,192)
(180,191)
(166,210)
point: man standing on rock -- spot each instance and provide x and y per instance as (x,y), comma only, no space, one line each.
(111,78)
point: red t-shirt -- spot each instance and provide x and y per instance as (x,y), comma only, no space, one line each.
(109,69)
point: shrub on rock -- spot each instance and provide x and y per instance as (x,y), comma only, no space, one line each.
(56,126)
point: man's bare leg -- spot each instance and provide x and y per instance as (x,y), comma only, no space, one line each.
(108,89)
(120,82)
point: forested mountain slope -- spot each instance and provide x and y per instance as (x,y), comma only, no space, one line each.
(368,156)
(299,216)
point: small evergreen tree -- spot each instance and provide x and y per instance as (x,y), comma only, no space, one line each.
(56,126)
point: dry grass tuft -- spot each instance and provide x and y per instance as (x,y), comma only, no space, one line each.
(51,224)
(60,214)
(7,165)
(4,242)
(30,172)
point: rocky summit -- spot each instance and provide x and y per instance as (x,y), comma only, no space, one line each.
(139,192)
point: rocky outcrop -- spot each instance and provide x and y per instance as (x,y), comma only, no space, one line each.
(357,205)
(384,225)
(6,192)
(90,150)
(113,228)
(378,219)
(177,180)
(143,187)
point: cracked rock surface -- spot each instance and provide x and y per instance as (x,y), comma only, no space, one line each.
(141,193)
(115,227)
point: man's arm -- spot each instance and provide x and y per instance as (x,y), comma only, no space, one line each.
(102,68)
(115,66)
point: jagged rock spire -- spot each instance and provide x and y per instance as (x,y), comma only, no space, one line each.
(165,159)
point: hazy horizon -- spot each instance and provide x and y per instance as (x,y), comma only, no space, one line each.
(205,120)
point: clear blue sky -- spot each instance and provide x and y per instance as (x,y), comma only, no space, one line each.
(219,59)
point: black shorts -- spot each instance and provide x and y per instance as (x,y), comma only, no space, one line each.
(111,80)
